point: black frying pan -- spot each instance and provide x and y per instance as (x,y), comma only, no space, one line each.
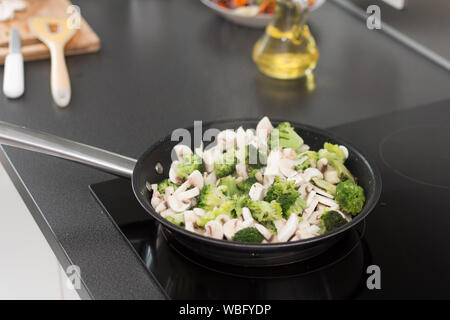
(144,169)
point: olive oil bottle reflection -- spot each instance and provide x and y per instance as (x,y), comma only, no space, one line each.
(287,50)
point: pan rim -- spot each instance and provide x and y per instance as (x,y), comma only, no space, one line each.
(369,205)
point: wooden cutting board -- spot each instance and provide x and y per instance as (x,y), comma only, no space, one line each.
(85,39)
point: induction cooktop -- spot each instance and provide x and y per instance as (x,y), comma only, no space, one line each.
(405,239)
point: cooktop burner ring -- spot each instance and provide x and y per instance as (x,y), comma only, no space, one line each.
(407,152)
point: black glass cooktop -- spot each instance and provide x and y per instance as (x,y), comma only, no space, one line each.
(407,236)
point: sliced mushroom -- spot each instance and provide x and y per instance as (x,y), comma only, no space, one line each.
(310,209)
(279,224)
(259,176)
(303,230)
(314,217)
(157,198)
(256,192)
(322,164)
(199,212)
(188,195)
(151,187)
(241,138)
(251,137)
(181,150)
(190,220)
(310,198)
(268,179)
(211,155)
(231,227)
(314,230)
(169,192)
(327,201)
(323,193)
(331,175)
(161,207)
(173,177)
(289,228)
(156,201)
(274,239)
(264,231)
(312,172)
(199,151)
(227,139)
(288,172)
(248,218)
(241,170)
(263,129)
(196,179)
(177,202)
(298,180)
(182,188)
(304,189)
(345,150)
(210,179)
(289,153)
(214,229)
(303,234)
(223,218)
(167,213)
(303,148)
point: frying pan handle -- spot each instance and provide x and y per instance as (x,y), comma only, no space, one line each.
(41,142)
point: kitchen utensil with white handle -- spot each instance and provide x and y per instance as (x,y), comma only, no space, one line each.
(55,33)
(13,75)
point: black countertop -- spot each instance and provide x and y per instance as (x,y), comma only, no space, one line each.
(164,64)
(426,22)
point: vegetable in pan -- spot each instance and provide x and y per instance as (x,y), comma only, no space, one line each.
(260,186)
(248,235)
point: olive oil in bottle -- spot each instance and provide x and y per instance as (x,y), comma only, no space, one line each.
(287,50)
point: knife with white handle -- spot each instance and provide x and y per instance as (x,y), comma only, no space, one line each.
(13,74)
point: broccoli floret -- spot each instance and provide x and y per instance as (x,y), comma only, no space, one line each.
(248,235)
(225,207)
(350,197)
(331,220)
(310,162)
(191,163)
(342,170)
(245,185)
(252,173)
(297,207)
(285,136)
(270,226)
(264,211)
(226,164)
(325,185)
(283,192)
(239,203)
(164,184)
(210,197)
(177,219)
(230,186)
(331,152)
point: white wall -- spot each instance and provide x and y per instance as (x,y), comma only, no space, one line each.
(28,267)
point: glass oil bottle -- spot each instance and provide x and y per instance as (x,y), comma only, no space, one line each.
(287,50)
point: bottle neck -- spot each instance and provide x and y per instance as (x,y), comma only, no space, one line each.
(290,14)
